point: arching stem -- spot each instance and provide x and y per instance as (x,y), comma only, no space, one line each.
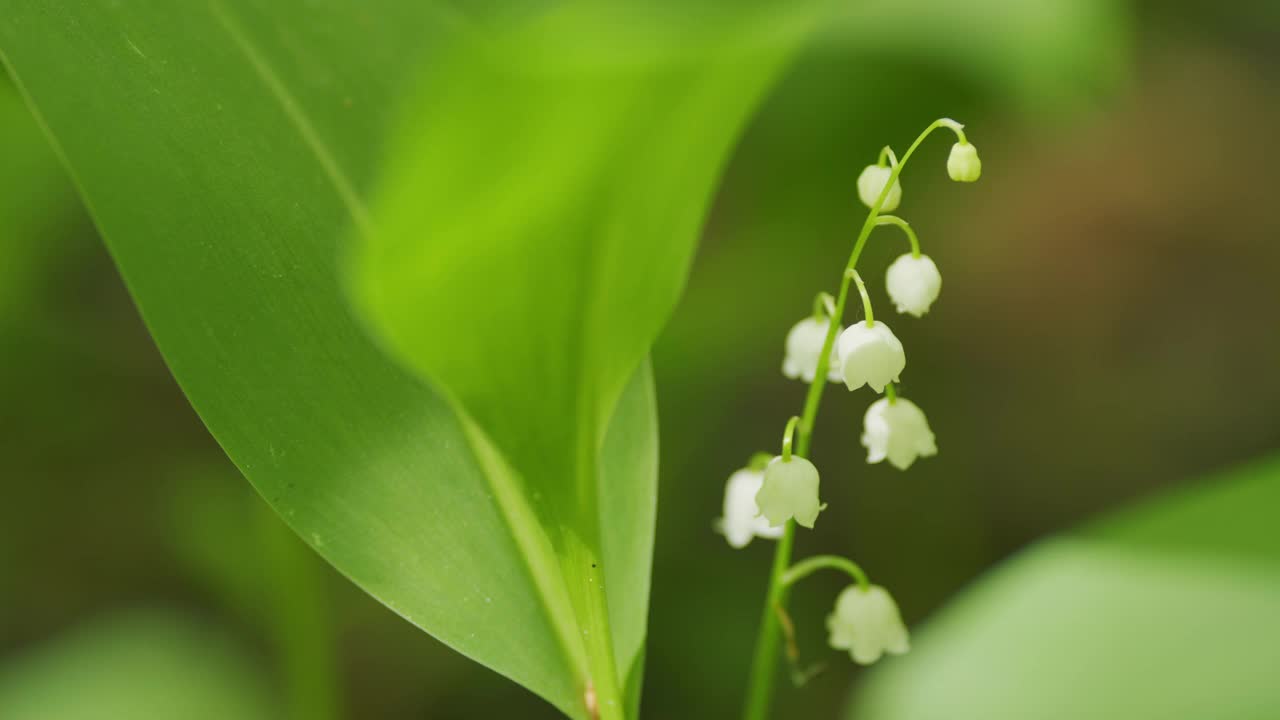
(764,660)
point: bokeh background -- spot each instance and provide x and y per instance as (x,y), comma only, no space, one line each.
(1107,330)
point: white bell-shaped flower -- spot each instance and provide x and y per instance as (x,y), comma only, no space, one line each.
(913,283)
(790,490)
(871,183)
(898,431)
(870,355)
(804,348)
(742,520)
(963,164)
(866,622)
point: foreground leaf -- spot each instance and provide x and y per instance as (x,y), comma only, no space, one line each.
(533,231)
(214,146)
(1168,610)
(226,149)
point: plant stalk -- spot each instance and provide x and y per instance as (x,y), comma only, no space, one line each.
(764,662)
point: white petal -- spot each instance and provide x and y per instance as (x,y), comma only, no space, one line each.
(870,356)
(790,368)
(963,164)
(790,491)
(804,348)
(871,183)
(897,431)
(913,284)
(741,521)
(867,623)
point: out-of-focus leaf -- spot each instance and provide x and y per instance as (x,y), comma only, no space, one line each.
(136,666)
(1166,610)
(237,546)
(33,187)
(1043,54)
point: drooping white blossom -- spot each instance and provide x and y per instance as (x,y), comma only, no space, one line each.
(871,183)
(866,622)
(963,164)
(898,431)
(742,520)
(913,283)
(804,348)
(790,490)
(870,355)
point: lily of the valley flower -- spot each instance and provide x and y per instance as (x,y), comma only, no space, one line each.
(742,521)
(790,490)
(870,355)
(871,183)
(804,348)
(898,431)
(963,164)
(913,283)
(866,622)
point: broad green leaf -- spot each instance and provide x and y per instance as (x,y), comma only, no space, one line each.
(227,149)
(534,227)
(218,146)
(1167,610)
(135,666)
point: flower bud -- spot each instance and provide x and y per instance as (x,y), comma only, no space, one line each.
(790,490)
(963,164)
(870,355)
(742,521)
(898,431)
(913,283)
(866,622)
(804,347)
(871,183)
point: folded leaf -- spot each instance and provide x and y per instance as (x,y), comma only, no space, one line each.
(542,171)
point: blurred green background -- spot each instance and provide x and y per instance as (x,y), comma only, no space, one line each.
(1107,331)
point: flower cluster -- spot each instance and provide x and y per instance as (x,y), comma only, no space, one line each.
(770,498)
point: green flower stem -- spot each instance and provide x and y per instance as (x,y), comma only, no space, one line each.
(866,299)
(823,305)
(787,436)
(759,460)
(954,127)
(808,566)
(906,228)
(764,661)
(891,392)
(886,153)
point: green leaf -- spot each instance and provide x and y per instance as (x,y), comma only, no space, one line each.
(1165,610)
(227,149)
(135,666)
(533,230)
(214,188)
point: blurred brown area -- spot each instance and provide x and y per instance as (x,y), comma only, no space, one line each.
(1107,328)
